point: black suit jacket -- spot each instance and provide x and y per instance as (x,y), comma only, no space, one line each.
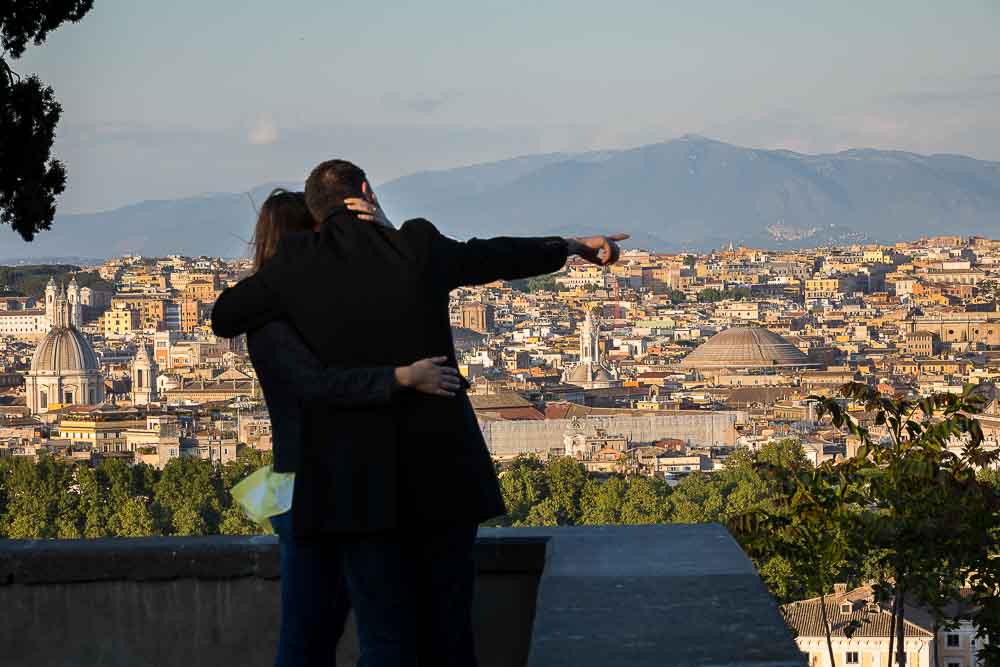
(362,295)
(291,378)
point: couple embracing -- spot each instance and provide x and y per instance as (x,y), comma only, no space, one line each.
(347,326)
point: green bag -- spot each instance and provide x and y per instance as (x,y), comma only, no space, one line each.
(265,493)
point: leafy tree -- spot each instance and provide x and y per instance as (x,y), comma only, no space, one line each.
(188,497)
(990,477)
(524,484)
(744,487)
(566,478)
(646,501)
(235,522)
(545,283)
(35,493)
(709,295)
(698,498)
(809,528)
(30,179)
(546,513)
(247,461)
(905,511)
(788,454)
(133,518)
(187,520)
(677,296)
(95,505)
(601,503)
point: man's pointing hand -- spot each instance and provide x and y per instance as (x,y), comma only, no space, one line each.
(600,250)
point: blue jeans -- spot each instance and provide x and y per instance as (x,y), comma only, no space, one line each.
(314,602)
(412,593)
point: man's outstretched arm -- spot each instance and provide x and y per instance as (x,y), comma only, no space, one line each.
(247,305)
(479,261)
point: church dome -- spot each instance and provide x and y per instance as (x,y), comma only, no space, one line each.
(580,373)
(746,347)
(65,350)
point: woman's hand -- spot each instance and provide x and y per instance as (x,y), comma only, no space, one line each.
(430,376)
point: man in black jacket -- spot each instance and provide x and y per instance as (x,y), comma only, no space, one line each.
(403,486)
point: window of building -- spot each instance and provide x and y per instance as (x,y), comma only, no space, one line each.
(852,658)
(952,640)
(954,664)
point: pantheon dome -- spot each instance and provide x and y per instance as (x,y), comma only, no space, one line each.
(64,369)
(746,348)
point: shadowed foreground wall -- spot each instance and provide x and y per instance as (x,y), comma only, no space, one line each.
(642,595)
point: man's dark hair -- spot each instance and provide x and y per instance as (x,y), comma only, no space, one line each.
(329,184)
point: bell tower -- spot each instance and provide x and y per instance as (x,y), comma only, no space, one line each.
(144,373)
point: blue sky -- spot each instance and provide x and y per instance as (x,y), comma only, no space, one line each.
(164,100)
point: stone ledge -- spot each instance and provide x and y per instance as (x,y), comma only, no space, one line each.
(218,557)
(574,596)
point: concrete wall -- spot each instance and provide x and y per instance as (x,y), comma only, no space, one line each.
(641,596)
(505,438)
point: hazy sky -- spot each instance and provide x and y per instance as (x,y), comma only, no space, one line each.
(164,99)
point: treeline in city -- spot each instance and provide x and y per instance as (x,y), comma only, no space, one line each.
(52,498)
(30,280)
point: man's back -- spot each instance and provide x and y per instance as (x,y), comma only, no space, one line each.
(364,295)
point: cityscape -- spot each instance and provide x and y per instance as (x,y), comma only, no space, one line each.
(663,367)
(450,334)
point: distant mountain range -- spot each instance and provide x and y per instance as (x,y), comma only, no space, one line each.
(688,193)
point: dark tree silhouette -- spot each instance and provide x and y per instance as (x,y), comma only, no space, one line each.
(30,179)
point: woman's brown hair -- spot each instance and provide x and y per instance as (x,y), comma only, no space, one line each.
(282,213)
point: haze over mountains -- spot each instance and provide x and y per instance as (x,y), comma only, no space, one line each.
(688,193)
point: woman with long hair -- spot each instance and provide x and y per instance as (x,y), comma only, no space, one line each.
(314,600)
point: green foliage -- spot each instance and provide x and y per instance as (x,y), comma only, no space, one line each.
(712,295)
(36,508)
(30,180)
(677,296)
(559,492)
(906,513)
(545,283)
(524,485)
(58,499)
(698,499)
(190,497)
(133,518)
(567,478)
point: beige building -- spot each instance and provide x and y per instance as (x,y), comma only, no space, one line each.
(102,428)
(120,321)
(962,328)
(866,644)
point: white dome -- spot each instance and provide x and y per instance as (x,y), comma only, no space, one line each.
(65,350)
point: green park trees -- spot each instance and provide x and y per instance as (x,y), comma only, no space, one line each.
(52,498)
